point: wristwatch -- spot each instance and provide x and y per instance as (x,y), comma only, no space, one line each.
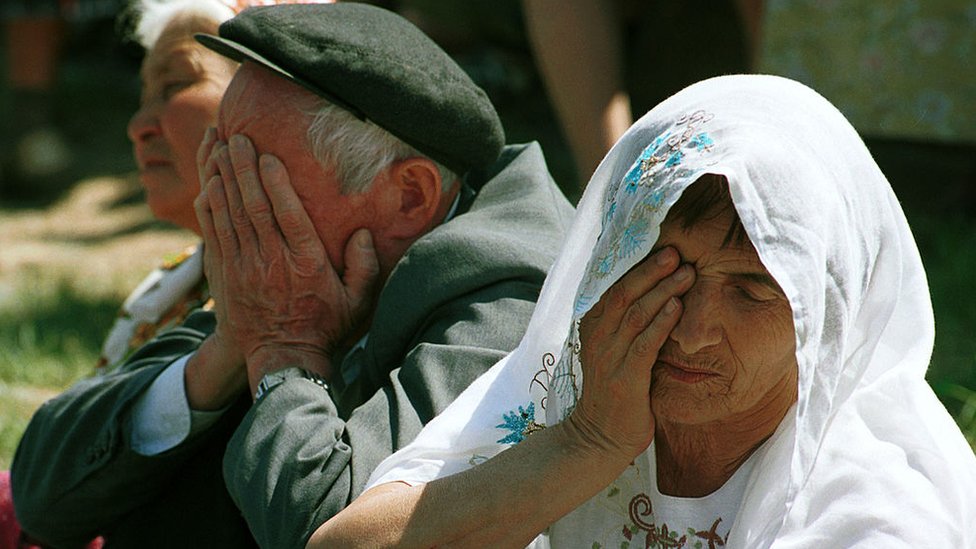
(273,379)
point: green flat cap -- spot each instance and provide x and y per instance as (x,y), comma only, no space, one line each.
(377,65)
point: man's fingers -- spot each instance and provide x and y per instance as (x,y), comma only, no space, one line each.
(224,232)
(204,169)
(211,248)
(256,203)
(201,206)
(362,269)
(246,235)
(293,220)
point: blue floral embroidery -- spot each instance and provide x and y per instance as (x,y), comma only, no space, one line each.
(634,175)
(642,165)
(610,211)
(632,185)
(582,304)
(521,424)
(701,142)
(654,199)
(674,159)
(634,237)
(641,193)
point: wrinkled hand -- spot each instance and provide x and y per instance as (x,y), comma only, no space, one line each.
(276,292)
(620,339)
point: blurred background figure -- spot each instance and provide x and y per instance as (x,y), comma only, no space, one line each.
(585,52)
(35,149)
(573,73)
(182,85)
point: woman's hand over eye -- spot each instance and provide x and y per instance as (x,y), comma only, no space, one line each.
(620,340)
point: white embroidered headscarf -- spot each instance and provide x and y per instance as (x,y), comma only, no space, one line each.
(868,456)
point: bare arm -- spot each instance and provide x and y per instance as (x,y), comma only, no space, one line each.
(496,503)
(578,49)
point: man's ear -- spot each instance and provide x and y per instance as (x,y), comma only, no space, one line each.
(417,198)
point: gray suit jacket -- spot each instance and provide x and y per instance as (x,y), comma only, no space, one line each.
(456,302)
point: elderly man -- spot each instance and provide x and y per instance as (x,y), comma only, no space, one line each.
(371,248)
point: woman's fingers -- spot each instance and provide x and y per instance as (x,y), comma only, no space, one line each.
(648,307)
(630,329)
(637,282)
(646,346)
(628,307)
(620,340)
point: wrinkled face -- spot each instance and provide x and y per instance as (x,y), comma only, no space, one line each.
(275,114)
(731,357)
(182,84)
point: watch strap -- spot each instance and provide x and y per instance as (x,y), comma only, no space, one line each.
(273,379)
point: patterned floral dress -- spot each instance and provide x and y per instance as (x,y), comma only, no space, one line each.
(161,301)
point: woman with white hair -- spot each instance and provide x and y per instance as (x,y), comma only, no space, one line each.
(182,85)
(729,351)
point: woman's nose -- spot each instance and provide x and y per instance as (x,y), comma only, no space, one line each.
(700,325)
(143,124)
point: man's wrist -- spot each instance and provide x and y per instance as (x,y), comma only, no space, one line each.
(213,377)
(268,359)
(273,379)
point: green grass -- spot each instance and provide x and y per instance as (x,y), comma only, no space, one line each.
(49,338)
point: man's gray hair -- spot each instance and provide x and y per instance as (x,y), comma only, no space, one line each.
(358,150)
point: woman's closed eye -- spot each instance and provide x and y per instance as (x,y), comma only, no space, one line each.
(754,294)
(755,288)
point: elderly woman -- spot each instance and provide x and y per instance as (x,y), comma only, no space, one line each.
(729,351)
(183,83)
